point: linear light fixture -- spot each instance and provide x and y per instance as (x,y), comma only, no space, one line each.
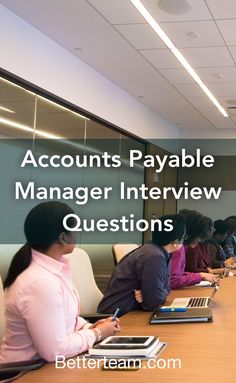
(27,128)
(6,109)
(159,31)
(62,107)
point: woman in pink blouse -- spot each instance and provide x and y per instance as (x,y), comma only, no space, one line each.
(41,304)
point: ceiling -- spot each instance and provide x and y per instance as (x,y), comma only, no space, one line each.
(111,37)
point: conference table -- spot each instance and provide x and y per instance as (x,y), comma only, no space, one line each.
(205,352)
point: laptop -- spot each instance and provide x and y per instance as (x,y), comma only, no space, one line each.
(194,302)
(191,315)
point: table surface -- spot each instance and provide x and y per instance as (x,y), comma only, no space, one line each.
(206,351)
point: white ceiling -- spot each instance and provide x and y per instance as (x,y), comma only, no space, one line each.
(111,37)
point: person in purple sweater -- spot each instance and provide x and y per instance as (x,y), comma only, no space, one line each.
(196,229)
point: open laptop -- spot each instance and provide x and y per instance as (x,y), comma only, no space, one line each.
(198,310)
(194,302)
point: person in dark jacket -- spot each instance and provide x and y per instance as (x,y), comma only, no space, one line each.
(218,256)
(147,269)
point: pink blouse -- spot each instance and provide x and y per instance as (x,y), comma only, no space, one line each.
(42,314)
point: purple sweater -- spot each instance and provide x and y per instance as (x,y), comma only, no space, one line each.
(179,277)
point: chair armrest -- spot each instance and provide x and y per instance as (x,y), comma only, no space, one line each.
(9,370)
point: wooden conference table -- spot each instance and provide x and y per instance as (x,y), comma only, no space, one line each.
(207,350)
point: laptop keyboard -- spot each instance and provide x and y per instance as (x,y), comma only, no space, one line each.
(199,302)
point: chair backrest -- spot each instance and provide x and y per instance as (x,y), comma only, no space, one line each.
(119,250)
(7,252)
(2,319)
(84,282)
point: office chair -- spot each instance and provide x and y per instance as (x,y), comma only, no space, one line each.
(119,250)
(85,284)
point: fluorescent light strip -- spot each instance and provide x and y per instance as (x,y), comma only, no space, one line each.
(26,128)
(6,110)
(44,99)
(62,107)
(155,26)
(17,86)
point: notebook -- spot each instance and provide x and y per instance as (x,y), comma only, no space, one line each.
(190,315)
(125,346)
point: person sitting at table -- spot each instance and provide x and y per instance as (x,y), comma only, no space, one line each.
(41,304)
(218,256)
(229,245)
(198,258)
(147,269)
(196,228)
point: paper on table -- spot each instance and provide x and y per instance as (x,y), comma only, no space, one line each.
(204,284)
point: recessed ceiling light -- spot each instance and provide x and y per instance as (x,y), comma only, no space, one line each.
(193,35)
(159,31)
(218,75)
(175,7)
(6,109)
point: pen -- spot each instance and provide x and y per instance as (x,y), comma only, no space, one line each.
(169,309)
(115,314)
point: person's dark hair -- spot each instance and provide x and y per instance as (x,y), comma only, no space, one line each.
(231,222)
(193,224)
(162,237)
(43,225)
(221,227)
(206,227)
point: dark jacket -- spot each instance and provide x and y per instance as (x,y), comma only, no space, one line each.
(146,268)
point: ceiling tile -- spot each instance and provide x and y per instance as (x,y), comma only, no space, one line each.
(207,30)
(199,11)
(202,101)
(226,90)
(213,75)
(222,122)
(161,58)
(117,11)
(233,52)
(141,36)
(177,76)
(228,28)
(190,90)
(207,57)
(210,111)
(222,9)
(208,75)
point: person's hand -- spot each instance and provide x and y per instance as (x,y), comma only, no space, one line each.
(100,321)
(210,277)
(108,328)
(97,323)
(210,270)
(230,262)
(138,296)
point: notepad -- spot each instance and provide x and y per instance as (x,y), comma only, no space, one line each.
(117,346)
(203,315)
